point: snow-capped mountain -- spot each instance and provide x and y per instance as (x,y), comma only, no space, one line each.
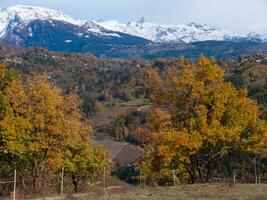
(29,26)
(170,33)
(257,37)
(36,26)
(21,15)
(25,14)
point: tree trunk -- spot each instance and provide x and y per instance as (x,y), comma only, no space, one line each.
(35,177)
(192,177)
(75,182)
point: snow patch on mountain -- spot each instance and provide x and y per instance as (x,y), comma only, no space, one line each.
(21,14)
(29,13)
(257,36)
(169,33)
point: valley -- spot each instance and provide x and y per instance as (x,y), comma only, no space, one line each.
(103,109)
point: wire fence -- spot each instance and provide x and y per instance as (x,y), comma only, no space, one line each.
(14,181)
(142,180)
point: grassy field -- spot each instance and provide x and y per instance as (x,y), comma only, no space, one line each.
(187,192)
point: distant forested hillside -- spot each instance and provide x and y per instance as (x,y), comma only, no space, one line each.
(112,80)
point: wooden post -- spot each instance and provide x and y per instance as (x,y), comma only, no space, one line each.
(174,178)
(234,178)
(140,178)
(259,175)
(15,184)
(62,182)
(104,179)
(255,171)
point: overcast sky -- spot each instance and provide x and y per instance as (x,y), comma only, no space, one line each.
(241,16)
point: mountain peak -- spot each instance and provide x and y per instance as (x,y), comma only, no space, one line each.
(141,20)
(28,13)
(24,14)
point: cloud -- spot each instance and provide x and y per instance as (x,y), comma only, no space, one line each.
(238,15)
(241,16)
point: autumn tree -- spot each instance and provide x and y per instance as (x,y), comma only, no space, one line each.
(42,130)
(14,126)
(199,119)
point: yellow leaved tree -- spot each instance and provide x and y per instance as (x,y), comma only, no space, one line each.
(42,130)
(198,119)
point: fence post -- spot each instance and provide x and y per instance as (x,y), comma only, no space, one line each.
(259,175)
(62,181)
(255,171)
(234,178)
(140,178)
(104,179)
(174,178)
(15,184)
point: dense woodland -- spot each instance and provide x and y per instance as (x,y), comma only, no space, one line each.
(195,120)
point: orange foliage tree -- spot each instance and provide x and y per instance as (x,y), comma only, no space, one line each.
(42,131)
(198,119)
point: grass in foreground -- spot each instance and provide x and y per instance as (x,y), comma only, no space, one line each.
(188,192)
